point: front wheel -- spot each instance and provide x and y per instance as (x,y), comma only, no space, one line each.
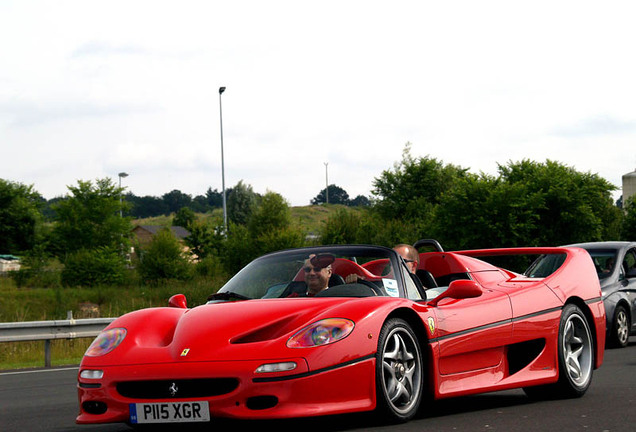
(399,372)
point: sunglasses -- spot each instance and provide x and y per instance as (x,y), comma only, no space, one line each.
(315,269)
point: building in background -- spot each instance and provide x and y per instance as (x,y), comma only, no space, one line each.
(9,263)
(629,186)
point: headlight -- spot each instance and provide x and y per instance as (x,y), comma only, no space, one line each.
(323,332)
(276,367)
(92,374)
(105,342)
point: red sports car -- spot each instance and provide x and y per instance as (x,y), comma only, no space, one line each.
(274,343)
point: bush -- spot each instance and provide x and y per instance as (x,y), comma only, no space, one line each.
(238,249)
(341,228)
(209,266)
(368,227)
(42,278)
(92,267)
(36,270)
(164,259)
(279,239)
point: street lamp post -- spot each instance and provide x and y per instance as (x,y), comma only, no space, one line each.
(121,175)
(221,90)
(326,183)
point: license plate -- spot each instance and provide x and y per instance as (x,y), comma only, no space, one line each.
(169,412)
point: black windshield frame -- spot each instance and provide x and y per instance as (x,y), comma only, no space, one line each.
(256,270)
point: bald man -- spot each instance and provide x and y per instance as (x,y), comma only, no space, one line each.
(410,255)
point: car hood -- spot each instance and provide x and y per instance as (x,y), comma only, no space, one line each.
(241,330)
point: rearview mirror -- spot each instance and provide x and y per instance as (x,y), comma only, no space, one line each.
(178,301)
(459,289)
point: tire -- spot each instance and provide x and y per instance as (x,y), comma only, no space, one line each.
(576,358)
(399,372)
(619,331)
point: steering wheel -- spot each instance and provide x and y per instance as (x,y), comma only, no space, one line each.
(376,289)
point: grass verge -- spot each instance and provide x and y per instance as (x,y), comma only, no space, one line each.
(42,304)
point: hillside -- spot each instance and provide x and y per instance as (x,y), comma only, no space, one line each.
(308,218)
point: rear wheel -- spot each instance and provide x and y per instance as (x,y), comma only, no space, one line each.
(619,332)
(576,357)
(399,372)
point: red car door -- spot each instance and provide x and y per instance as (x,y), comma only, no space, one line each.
(472,336)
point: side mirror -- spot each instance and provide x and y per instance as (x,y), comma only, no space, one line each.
(459,289)
(178,301)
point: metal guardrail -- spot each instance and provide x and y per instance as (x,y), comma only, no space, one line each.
(49,330)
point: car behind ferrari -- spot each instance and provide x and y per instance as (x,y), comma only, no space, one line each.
(267,345)
(615,264)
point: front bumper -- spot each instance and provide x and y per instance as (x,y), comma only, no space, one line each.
(344,388)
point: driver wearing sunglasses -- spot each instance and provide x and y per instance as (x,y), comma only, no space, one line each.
(316,277)
(316,271)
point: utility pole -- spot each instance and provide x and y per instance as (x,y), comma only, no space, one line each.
(121,175)
(326,183)
(221,90)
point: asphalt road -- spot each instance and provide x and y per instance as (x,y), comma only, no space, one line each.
(45,400)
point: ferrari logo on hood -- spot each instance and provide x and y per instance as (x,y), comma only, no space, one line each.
(185,352)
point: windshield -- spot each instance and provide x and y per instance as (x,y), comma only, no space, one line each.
(295,273)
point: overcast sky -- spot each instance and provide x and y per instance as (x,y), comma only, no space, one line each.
(89,89)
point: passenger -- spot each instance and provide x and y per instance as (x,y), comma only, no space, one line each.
(609,265)
(407,252)
(410,255)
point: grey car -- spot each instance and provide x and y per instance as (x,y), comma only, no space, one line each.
(618,284)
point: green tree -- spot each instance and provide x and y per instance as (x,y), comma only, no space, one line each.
(342,227)
(271,214)
(628,231)
(238,248)
(20,217)
(335,195)
(486,212)
(414,187)
(575,206)
(240,203)
(164,259)
(279,239)
(90,218)
(360,201)
(270,225)
(214,198)
(175,200)
(146,206)
(528,204)
(367,227)
(33,271)
(94,267)
(185,217)
(268,229)
(205,240)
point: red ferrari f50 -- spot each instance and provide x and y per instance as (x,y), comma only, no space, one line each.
(266,345)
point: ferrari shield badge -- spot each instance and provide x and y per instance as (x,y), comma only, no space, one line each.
(185,352)
(431,325)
